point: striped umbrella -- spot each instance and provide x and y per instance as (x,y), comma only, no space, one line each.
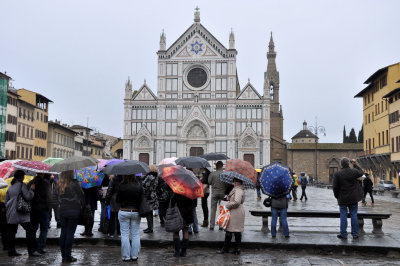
(227,177)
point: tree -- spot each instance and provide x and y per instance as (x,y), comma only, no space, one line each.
(361,135)
(344,135)
(352,138)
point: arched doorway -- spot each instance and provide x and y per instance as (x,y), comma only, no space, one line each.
(196,151)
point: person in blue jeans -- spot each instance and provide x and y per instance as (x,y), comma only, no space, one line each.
(348,192)
(279,206)
(129,196)
(71,196)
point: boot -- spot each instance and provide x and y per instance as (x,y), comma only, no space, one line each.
(227,242)
(238,242)
(177,246)
(185,243)
(205,223)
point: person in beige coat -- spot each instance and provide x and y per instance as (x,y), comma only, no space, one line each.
(236,222)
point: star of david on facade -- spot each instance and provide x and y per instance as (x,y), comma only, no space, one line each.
(196,47)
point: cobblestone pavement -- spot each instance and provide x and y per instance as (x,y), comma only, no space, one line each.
(105,255)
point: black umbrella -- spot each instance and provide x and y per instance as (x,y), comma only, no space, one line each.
(128,167)
(192,162)
(73,163)
(214,156)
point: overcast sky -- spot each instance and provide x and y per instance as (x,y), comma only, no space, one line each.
(80,53)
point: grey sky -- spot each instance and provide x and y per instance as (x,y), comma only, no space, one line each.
(80,53)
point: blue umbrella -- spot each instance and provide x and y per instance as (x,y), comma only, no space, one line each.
(276,180)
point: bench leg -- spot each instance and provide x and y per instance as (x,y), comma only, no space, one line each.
(264,227)
(377,224)
(361,226)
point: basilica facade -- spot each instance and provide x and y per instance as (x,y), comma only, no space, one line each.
(200,107)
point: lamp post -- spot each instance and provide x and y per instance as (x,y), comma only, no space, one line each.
(317,129)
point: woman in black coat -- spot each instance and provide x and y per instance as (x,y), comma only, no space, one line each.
(114,206)
(186,207)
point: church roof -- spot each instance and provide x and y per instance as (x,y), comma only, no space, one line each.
(305,133)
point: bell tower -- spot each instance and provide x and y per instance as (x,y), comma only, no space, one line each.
(271,90)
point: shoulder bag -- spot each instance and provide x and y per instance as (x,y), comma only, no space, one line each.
(173,219)
(267,202)
(144,208)
(23,205)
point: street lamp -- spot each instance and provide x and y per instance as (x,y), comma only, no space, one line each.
(317,129)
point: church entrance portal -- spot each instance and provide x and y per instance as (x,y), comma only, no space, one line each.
(196,151)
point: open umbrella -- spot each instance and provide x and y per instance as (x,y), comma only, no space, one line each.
(242,167)
(227,177)
(193,162)
(51,161)
(33,166)
(8,180)
(128,167)
(6,168)
(183,181)
(276,180)
(214,156)
(73,163)
(89,177)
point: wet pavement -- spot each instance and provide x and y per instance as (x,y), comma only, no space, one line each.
(310,234)
(110,255)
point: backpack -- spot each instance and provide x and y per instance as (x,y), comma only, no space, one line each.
(303,181)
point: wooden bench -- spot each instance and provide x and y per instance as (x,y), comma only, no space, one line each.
(376,218)
(395,193)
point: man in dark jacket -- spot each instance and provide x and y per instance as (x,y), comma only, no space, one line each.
(54,203)
(346,189)
(40,208)
(368,189)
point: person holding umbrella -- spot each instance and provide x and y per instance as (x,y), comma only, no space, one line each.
(217,191)
(150,183)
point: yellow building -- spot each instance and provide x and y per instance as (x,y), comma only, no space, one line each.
(377,134)
(40,121)
(25,128)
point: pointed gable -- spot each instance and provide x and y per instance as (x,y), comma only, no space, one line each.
(196,116)
(249,93)
(207,45)
(144,94)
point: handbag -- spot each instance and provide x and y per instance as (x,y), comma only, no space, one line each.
(267,202)
(144,208)
(223,217)
(280,203)
(23,205)
(173,219)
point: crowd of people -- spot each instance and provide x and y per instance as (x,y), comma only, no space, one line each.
(120,200)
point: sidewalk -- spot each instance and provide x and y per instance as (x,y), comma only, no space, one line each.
(305,233)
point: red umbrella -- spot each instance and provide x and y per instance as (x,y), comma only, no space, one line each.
(6,168)
(33,166)
(182,181)
(243,168)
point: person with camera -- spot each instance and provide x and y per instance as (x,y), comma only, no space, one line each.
(348,193)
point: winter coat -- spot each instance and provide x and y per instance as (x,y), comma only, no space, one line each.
(129,196)
(13,216)
(163,191)
(346,187)
(217,186)
(235,205)
(42,198)
(91,197)
(368,185)
(54,193)
(150,182)
(112,193)
(185,206)
(72,198)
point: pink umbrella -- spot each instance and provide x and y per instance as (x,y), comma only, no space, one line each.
(6,168)
(33,166)
(101,164)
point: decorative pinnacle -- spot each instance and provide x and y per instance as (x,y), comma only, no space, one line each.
(271,43)
(197,14)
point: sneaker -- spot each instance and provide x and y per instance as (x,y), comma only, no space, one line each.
(341,237)
(70,259)
(148,230)
(355,237)
(135,258)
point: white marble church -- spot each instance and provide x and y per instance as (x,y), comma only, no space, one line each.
(199,106)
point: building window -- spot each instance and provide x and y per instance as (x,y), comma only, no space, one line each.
(171,96)
(205,95)
(170,128)
(185,110)
(170,149)
(220,113)
(172,69)
(207,110)
(221,146)
(220,128)
(187,96)
(220,69)
(220,84)
(171,113)
(221,95)
(172,85)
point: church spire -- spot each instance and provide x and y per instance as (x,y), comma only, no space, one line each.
(163,42)
(128,88)
(197,14)
(271,83)
(271,45)
(231,40)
